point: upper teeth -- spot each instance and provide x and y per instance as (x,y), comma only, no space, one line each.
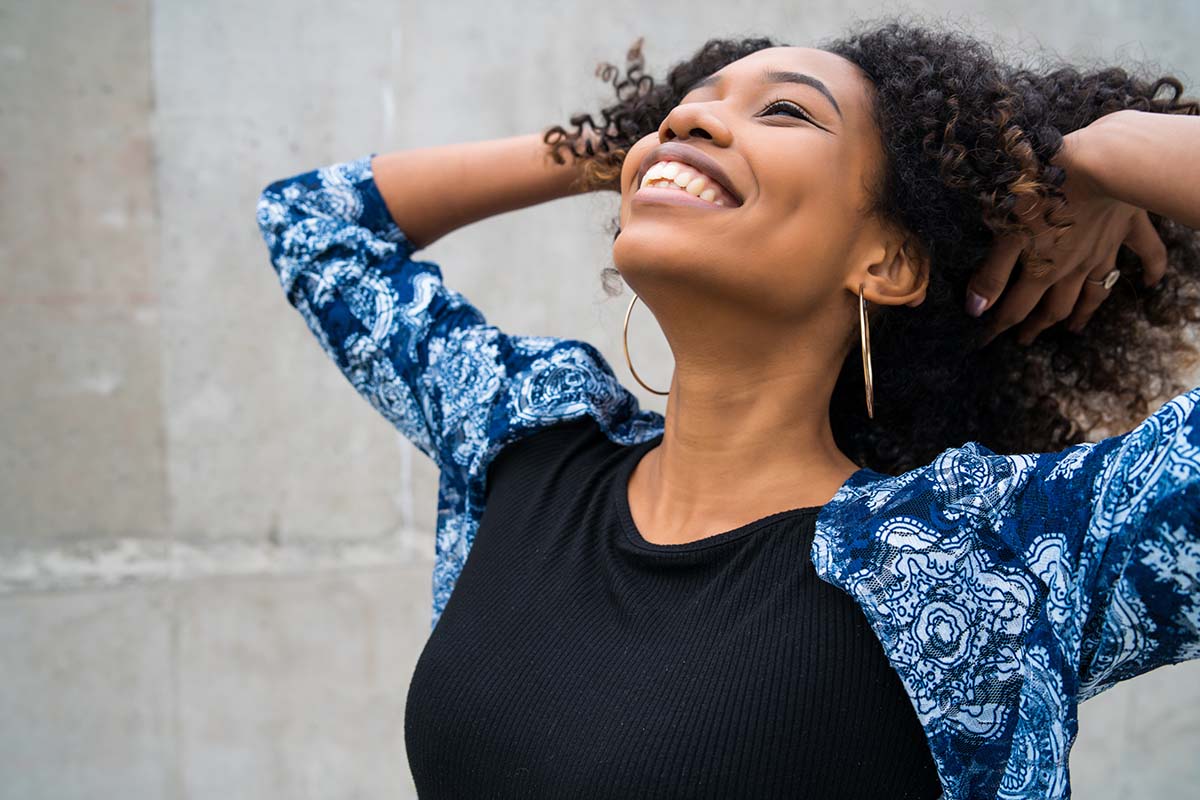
(688,178)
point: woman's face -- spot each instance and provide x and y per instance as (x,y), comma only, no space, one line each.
(800,230)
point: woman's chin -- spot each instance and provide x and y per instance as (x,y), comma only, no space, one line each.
(653,248)
(642,267)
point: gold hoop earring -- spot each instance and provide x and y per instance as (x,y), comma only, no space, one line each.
(865,336)
(629,311)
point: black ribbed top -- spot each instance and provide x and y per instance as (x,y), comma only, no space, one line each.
(575,659)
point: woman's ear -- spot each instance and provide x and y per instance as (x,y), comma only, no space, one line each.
(898,273)
(918,267)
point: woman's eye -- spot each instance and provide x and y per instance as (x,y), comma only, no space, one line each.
(796,110)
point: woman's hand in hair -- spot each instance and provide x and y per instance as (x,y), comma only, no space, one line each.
(1052,285)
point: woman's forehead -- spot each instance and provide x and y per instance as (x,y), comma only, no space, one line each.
(830,68)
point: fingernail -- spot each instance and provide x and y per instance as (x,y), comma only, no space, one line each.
(975,304)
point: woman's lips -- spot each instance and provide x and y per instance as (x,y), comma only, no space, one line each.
(692,156)
(654,194)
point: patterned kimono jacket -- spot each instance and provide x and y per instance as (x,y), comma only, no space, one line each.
(1005,589)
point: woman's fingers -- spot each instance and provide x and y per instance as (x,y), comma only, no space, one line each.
(1052,285)
(1144,240)
(1017,304)
(992,276)
(1021,299)
(1056,305)
(1091,294)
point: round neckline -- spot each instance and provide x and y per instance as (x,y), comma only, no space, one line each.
(634,536)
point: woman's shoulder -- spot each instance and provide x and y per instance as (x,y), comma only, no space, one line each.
(554,380)
(1070,499)
(968,481)
(969,515)
(925,490)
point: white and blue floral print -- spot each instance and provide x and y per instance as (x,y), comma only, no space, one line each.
(1005,589)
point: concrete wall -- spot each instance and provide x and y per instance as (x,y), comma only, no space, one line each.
(214,556)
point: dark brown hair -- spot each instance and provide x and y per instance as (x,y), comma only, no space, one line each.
(965,136)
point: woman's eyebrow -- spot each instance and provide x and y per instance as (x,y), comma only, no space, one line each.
(778,76)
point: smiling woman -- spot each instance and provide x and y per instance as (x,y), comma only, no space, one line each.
(968,136)
(771,591)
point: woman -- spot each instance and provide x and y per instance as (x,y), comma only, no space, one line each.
(799,582)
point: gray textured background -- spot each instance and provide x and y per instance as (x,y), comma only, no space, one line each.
(214,556)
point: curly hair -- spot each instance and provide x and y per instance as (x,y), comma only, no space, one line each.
(965,136)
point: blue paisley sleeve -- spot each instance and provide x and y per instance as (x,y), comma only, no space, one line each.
(418,351)
(1006,589)
(1113,528)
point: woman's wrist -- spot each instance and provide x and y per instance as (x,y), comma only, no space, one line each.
(1148,159)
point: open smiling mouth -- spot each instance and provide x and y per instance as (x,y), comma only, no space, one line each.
(680,183)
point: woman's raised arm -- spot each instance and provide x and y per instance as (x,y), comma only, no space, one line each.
(431,191)
(1114,530)
(341,239)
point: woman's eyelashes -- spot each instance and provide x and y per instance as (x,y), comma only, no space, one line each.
(797,110)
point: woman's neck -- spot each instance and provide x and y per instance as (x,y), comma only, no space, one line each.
(736,448)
